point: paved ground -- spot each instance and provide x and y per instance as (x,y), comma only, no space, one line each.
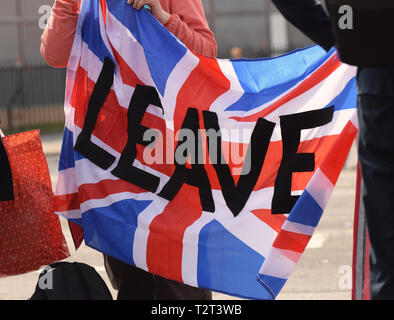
(323,273)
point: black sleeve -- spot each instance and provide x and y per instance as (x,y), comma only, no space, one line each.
(310,17)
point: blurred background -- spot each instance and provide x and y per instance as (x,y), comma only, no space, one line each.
(32,93)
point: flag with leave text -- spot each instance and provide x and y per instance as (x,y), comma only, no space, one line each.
(210,172)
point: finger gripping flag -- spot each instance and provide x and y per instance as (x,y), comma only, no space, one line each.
(210,172)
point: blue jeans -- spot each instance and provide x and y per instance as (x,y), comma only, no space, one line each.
(376,156)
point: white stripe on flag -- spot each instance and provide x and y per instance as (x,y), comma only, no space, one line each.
(280,263)
(129,49)
(111,199)
(246,226)
(354,119)
(320,188)
(339,121)
(142,232)
(228,126)
(66,182)
(103,31)
(231,96)
(71,214)
(190,249)
(298,228)
(252,231)
(176,80)
(90,62)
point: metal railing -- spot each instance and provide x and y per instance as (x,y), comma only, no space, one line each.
(31,95)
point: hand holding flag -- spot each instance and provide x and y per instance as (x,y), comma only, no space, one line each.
(155,7)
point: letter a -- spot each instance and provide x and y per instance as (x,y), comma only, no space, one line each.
(345,22)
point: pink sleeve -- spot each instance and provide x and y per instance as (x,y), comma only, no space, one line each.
(58,37)
(188,24)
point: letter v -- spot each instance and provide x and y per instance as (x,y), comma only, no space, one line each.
(236,195)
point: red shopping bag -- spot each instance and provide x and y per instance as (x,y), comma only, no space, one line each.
(30,233)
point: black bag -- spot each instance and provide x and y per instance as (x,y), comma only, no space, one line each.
(70,281)
(6,183)
(368,43)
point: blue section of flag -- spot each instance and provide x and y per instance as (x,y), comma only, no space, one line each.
(68,155)
(347,98)
(161,55)
(265,79)
(78,156)
(67,160)
(91,32)
(111,229)
(306,211)
(272,284)
(227,264)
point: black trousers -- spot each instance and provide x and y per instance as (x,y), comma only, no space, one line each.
(376,156)
(133,283)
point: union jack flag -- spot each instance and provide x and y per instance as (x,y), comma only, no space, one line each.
(204,224)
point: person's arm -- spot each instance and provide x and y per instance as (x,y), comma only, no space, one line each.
(58,37)
(310,18)
(189,24)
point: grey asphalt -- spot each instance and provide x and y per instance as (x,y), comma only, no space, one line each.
(323,272)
